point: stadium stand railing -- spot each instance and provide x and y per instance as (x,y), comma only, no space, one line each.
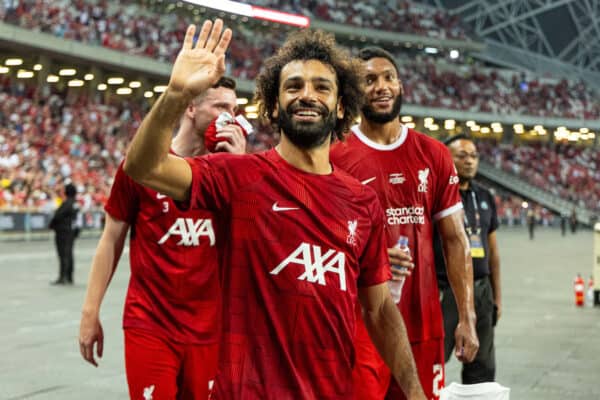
(527,190)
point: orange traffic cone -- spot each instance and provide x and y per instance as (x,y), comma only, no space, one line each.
(579,288)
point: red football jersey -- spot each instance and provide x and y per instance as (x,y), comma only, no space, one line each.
(174,286)
(417,185)
(296,246)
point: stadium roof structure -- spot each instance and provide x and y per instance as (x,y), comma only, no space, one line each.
(561,37)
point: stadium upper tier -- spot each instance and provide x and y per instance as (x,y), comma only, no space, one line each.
(390,16)
(137,30)
(498,92)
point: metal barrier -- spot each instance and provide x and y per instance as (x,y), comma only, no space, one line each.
(33,225)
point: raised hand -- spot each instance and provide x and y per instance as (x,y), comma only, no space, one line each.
(198,67)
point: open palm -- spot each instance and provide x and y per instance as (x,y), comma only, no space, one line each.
(198,67)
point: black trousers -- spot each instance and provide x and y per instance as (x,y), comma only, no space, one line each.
(483,367)
(64,241)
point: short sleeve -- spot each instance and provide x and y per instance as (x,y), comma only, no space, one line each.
(122,204)
(374,262)
(211,181)
(447,195)
(494,214)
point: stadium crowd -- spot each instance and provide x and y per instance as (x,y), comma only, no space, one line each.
(48,138)
(130,28)
(30,118)
(564,170)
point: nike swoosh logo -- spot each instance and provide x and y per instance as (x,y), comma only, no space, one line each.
(160,196)
(366,181)
(277,208)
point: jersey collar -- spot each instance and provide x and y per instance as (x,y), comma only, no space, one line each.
(378,146)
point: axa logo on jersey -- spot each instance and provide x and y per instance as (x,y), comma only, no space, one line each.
(316,264)
(190,230)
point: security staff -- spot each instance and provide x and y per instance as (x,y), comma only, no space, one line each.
(64,224)
(481,222)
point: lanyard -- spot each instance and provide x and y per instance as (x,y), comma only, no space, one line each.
(477,227)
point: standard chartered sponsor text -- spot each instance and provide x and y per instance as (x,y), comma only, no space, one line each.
(405,215)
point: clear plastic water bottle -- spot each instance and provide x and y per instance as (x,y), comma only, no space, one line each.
(396,285)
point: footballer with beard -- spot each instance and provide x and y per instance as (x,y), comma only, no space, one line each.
(416,182)
(301,242)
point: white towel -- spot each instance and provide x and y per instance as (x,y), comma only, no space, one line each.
(479,391)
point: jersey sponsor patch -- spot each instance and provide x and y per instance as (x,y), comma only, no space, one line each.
(190,230)
(397,178)
(316,264)
(405,215)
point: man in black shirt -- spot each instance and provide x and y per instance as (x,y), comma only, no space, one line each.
(63,223)
(481,223)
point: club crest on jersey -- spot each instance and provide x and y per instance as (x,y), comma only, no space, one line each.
(423,180)
(351,239)
(148,392)
(190,230)
(397,178)
(316,264)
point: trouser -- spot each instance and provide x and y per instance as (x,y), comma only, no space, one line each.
(64,246)
(531,230)
(483,367)
(161,369)
(373,379)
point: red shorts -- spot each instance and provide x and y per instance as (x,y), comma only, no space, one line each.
(373,380)
(160,369)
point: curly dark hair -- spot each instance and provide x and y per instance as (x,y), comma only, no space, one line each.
(313,45)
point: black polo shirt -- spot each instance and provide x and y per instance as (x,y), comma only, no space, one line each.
(488,222)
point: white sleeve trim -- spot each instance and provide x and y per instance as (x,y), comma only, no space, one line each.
(448,211)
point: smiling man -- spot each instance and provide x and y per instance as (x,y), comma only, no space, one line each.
(417,185)
(481,223)
(302,242)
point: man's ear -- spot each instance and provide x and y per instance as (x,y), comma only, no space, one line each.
(190,111)
(340,108)
(275,113)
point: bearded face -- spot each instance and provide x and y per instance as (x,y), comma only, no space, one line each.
(383,117)
(308,108)
(306,125)
(383,91)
